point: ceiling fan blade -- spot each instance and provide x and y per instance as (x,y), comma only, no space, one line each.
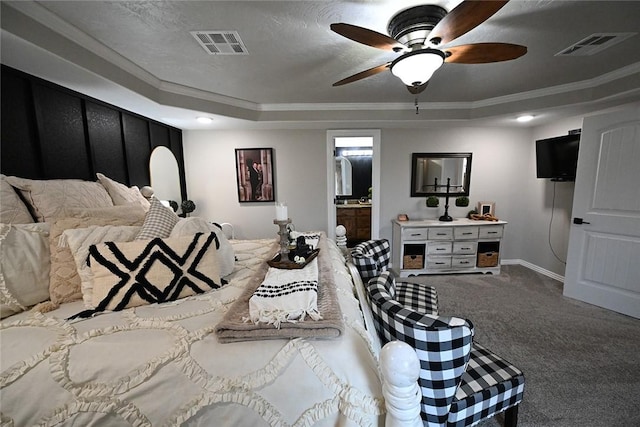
(463,18)
(363,74)
(368,37)
(483,53)
(417,89)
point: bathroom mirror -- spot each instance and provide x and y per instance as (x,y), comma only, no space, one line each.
(165,178)
(343,177)
(430,171)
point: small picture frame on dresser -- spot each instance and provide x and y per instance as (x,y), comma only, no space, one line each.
(487,208)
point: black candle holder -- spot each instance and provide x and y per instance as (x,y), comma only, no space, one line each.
(446,217)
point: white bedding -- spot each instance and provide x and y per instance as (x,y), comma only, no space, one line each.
(163,365)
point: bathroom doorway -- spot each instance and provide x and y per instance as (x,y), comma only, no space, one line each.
(353,183)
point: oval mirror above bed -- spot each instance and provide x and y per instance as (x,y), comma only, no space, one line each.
(165,178)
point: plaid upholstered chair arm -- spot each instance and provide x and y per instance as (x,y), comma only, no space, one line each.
(371,257)
(381,292)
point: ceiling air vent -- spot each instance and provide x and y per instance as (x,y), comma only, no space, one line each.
(220,42)
(594,44)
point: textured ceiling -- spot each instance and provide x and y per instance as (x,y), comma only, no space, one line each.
(294,58)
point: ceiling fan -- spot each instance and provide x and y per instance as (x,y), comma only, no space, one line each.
(422,34)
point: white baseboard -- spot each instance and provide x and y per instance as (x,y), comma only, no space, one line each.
(527,264)
(533,267)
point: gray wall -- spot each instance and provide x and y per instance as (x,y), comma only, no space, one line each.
(549,228)
(503,171)
(300,178)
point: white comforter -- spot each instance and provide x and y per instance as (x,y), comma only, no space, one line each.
(163,365)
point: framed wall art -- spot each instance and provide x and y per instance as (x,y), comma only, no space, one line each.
(487,208)
(254,170)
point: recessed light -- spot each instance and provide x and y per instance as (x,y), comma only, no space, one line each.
(204,120)
(525,118)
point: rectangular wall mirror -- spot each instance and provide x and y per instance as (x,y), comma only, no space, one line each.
(429,173)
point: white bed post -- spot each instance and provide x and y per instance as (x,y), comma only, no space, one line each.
(400,371)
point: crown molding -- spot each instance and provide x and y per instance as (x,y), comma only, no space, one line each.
(621,73)
(44,17)
(204,95)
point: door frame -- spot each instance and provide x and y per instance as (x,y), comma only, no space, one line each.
(375,134)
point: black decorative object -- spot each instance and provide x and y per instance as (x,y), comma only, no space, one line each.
(302,249)
(187,207)
(446,217)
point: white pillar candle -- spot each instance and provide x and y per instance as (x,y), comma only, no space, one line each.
(281,212)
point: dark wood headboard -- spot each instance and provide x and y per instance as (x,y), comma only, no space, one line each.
(51,132)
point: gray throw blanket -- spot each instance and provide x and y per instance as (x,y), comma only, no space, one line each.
(233,327)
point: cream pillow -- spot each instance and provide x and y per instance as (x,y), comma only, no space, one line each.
(156,270)
(24,266)
(193,225)
(64,282)
(47,198)
(121,194)
(12,208)
(79,240)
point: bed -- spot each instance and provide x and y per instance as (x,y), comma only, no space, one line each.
(171,363)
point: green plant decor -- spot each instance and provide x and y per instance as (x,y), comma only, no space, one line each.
(472,212)
(462,201)
(432,202)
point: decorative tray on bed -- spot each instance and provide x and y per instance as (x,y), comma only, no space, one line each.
(287,264)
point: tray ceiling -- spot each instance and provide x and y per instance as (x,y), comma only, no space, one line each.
(287,58)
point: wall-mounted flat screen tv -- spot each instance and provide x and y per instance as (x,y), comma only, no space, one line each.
(557,158)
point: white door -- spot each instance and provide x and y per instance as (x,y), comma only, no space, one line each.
(603,263)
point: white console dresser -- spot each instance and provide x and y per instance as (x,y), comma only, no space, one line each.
(435,247)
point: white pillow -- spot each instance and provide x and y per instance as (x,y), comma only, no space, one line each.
(193,225)
(47,198)
(129,274)
(121,194)
(12,208)
(80,239)
(24,266)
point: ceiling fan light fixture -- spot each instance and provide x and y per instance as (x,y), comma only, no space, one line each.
(416,68)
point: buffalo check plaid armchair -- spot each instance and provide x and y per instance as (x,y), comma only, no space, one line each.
(371,258)
(461,381)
